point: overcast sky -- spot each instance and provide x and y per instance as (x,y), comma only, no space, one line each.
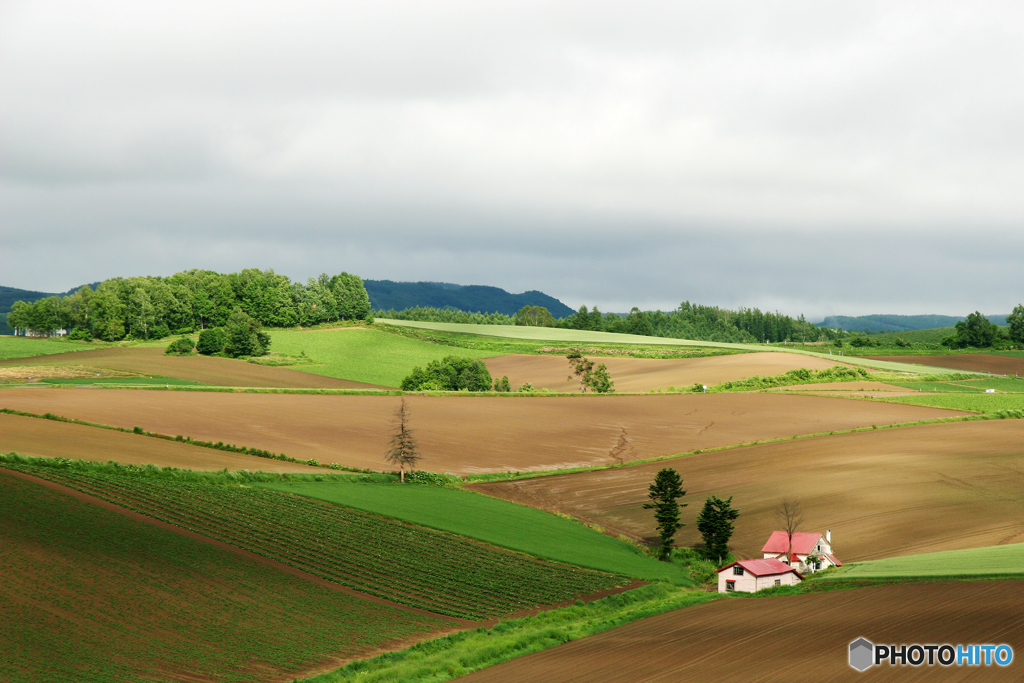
(810,157)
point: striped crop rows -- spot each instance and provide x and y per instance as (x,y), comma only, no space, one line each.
(418,567)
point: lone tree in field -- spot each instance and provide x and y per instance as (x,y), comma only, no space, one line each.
(402,450)
(790,517)
(667,487)
(596,379)
(715,524)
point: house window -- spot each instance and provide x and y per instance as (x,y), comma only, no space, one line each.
(778,582)
(730,586)
(737,570)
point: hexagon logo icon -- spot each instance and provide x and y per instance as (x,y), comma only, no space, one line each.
(861,654)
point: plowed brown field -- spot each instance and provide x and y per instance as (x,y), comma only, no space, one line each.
(471,434)
(223,372)
(882,493)
(973,362)
(49,439)
(794,638)
(646,374)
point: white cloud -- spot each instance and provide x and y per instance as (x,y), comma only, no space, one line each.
(527,145)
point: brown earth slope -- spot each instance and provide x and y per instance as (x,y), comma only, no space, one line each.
(972,362)
(468,434)
(882,493)
(49,439)
(793,639)
(647,374)
(224,372)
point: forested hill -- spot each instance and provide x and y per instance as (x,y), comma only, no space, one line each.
(386,295)
(898,323)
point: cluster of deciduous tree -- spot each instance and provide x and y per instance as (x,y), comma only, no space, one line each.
(452,373)
(979,332)
(447,315)
(153,307)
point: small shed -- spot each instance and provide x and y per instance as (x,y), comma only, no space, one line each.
(750,576)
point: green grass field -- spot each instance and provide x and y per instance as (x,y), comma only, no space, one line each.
(1000,560)
(369,356)
(91,596)
(26,347)
(498,522)
(437,572)
(564,336)
(941,387)
(975,403)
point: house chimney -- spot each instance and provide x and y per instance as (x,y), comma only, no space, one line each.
(828,536)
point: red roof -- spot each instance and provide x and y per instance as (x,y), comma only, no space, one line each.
(764,567)
(803,543)
(834,560)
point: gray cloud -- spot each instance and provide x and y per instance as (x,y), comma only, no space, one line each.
(807,157)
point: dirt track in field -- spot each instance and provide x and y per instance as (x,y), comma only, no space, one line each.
(972,362)
(223,372)
(471,434)
(49,439)
(647,374)
(793,639)
(882,493)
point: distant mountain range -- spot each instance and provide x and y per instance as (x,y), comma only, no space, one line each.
(386,295)
(897,323)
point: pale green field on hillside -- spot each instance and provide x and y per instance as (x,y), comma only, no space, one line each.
(559,335)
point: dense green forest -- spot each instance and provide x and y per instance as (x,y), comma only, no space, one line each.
(154,307)
(689,321)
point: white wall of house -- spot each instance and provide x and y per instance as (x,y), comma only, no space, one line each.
(748,583)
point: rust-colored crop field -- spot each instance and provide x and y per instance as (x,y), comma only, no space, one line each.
(647,374)
(882,493)
(972,362)
(90,595)
(468,434)
(793,638)
(50,439)
(224,372)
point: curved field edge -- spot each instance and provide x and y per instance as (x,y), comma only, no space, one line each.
(91,595)
(494,521)
(802,637)
(451,656)
(559,335)
(987,562)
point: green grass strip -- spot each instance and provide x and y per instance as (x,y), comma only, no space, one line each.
(497,522)
(456,655)
(994,561)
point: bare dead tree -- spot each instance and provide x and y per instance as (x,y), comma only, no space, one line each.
(624,448)
(402,450)
(790,517)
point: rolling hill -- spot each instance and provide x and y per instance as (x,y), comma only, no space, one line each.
(386,295)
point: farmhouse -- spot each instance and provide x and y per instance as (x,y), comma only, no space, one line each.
(750,576)
(810,552)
